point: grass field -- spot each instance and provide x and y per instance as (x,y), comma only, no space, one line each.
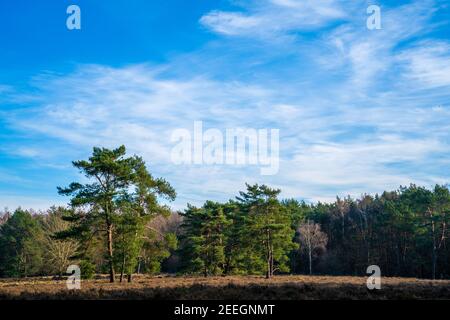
(236,288)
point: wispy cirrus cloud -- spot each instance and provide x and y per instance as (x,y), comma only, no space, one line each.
(269,18)
(323,153)
(428,64)
(358,110)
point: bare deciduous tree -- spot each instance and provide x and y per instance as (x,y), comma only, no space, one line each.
(311,238)
(59,252)
(4,216)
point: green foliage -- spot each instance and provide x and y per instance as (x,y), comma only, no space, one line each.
(404,232)
(116,222)
(87,269)
(204,238)
(121,193)
(267,231)
(21,246)
(298,211)
(252,235)
(157,248)
(129,240)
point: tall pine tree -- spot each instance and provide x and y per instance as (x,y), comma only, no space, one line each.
(267,228)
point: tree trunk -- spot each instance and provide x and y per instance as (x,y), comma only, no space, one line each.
(270,262)
(434,253)
(268,254)
(110,254)
(139,266)
(310,260)
(434,264)
(130,277)
(227,263)
(122,269)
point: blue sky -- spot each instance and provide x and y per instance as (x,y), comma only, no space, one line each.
(358,110)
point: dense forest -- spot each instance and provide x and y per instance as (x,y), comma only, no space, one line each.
(116,224)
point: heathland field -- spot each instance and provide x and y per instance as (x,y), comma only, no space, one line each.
(236,288)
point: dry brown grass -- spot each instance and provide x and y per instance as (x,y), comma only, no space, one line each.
(230,288)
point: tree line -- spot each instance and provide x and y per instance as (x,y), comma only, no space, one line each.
(116,223)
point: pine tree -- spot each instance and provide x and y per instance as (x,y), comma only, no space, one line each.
(204,238)
(267,228)
(21,246)
(121,191)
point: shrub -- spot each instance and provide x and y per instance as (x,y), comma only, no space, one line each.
(87,269)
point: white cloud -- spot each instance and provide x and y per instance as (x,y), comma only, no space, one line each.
(139,108)
(428,64)
(350,115)
(369,55)
(230,23)
(271,18)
